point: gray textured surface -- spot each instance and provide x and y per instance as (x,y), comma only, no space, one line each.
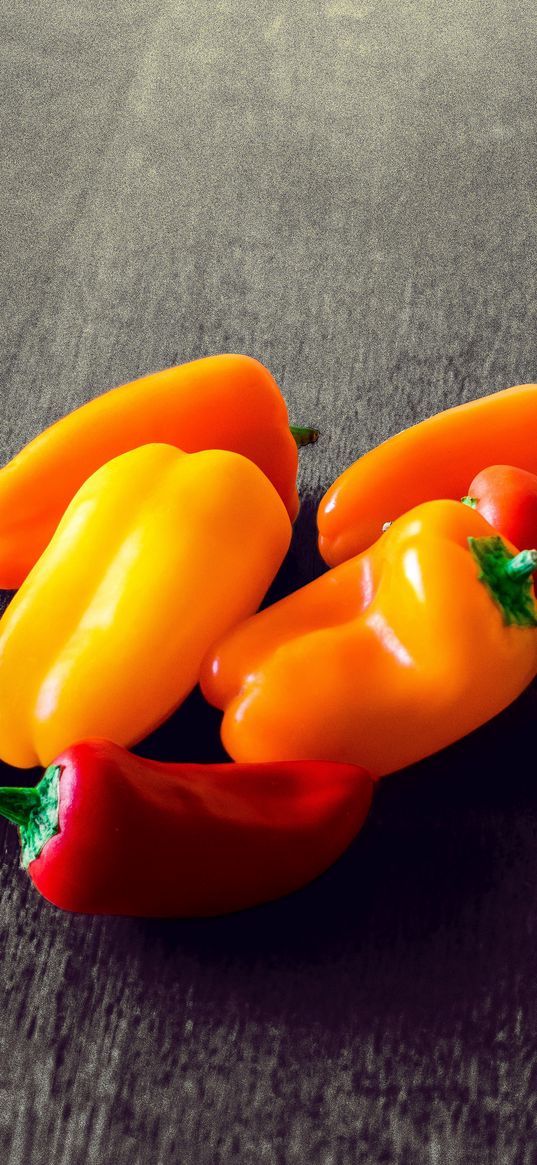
(346,191)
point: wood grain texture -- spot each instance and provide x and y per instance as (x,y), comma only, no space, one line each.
(346,191)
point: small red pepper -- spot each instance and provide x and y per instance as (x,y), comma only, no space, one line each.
(507,498)
(106,832)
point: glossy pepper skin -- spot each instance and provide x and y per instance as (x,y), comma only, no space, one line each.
(434,459)
(507,497)
(389,657)
(157,555)
(106,832)
(220,402)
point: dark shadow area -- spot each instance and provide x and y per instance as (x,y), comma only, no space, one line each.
(433,903)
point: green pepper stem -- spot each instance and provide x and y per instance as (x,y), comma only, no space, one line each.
(507,577)
(35,811)
(468,501)
(17,804)
(523,565)
(304,435)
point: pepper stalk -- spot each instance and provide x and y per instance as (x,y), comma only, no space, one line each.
(35,811)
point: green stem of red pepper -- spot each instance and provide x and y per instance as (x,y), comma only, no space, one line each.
(105,832)
(35,811)
(17,804)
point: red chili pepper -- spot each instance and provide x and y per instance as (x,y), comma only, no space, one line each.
(507,498)
(105,832)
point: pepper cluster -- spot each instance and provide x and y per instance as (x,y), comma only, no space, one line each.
(142,532)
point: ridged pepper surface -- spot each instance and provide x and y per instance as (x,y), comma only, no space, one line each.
(159,553)
(387,658)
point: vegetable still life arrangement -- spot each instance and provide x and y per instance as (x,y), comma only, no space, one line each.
(143,531)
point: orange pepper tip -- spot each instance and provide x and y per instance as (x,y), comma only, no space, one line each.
(304,435)
(507,578)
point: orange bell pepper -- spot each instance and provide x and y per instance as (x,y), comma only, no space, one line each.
(221,402)
(159,553)
(435,459)
(390,656)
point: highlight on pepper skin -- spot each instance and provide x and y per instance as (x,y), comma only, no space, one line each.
(157,555)
(388,657)
(436,458)
(226,401)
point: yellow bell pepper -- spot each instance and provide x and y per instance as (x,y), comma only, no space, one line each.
(157,556)
(388,657)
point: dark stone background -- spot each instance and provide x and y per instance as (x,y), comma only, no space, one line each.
(346,191)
